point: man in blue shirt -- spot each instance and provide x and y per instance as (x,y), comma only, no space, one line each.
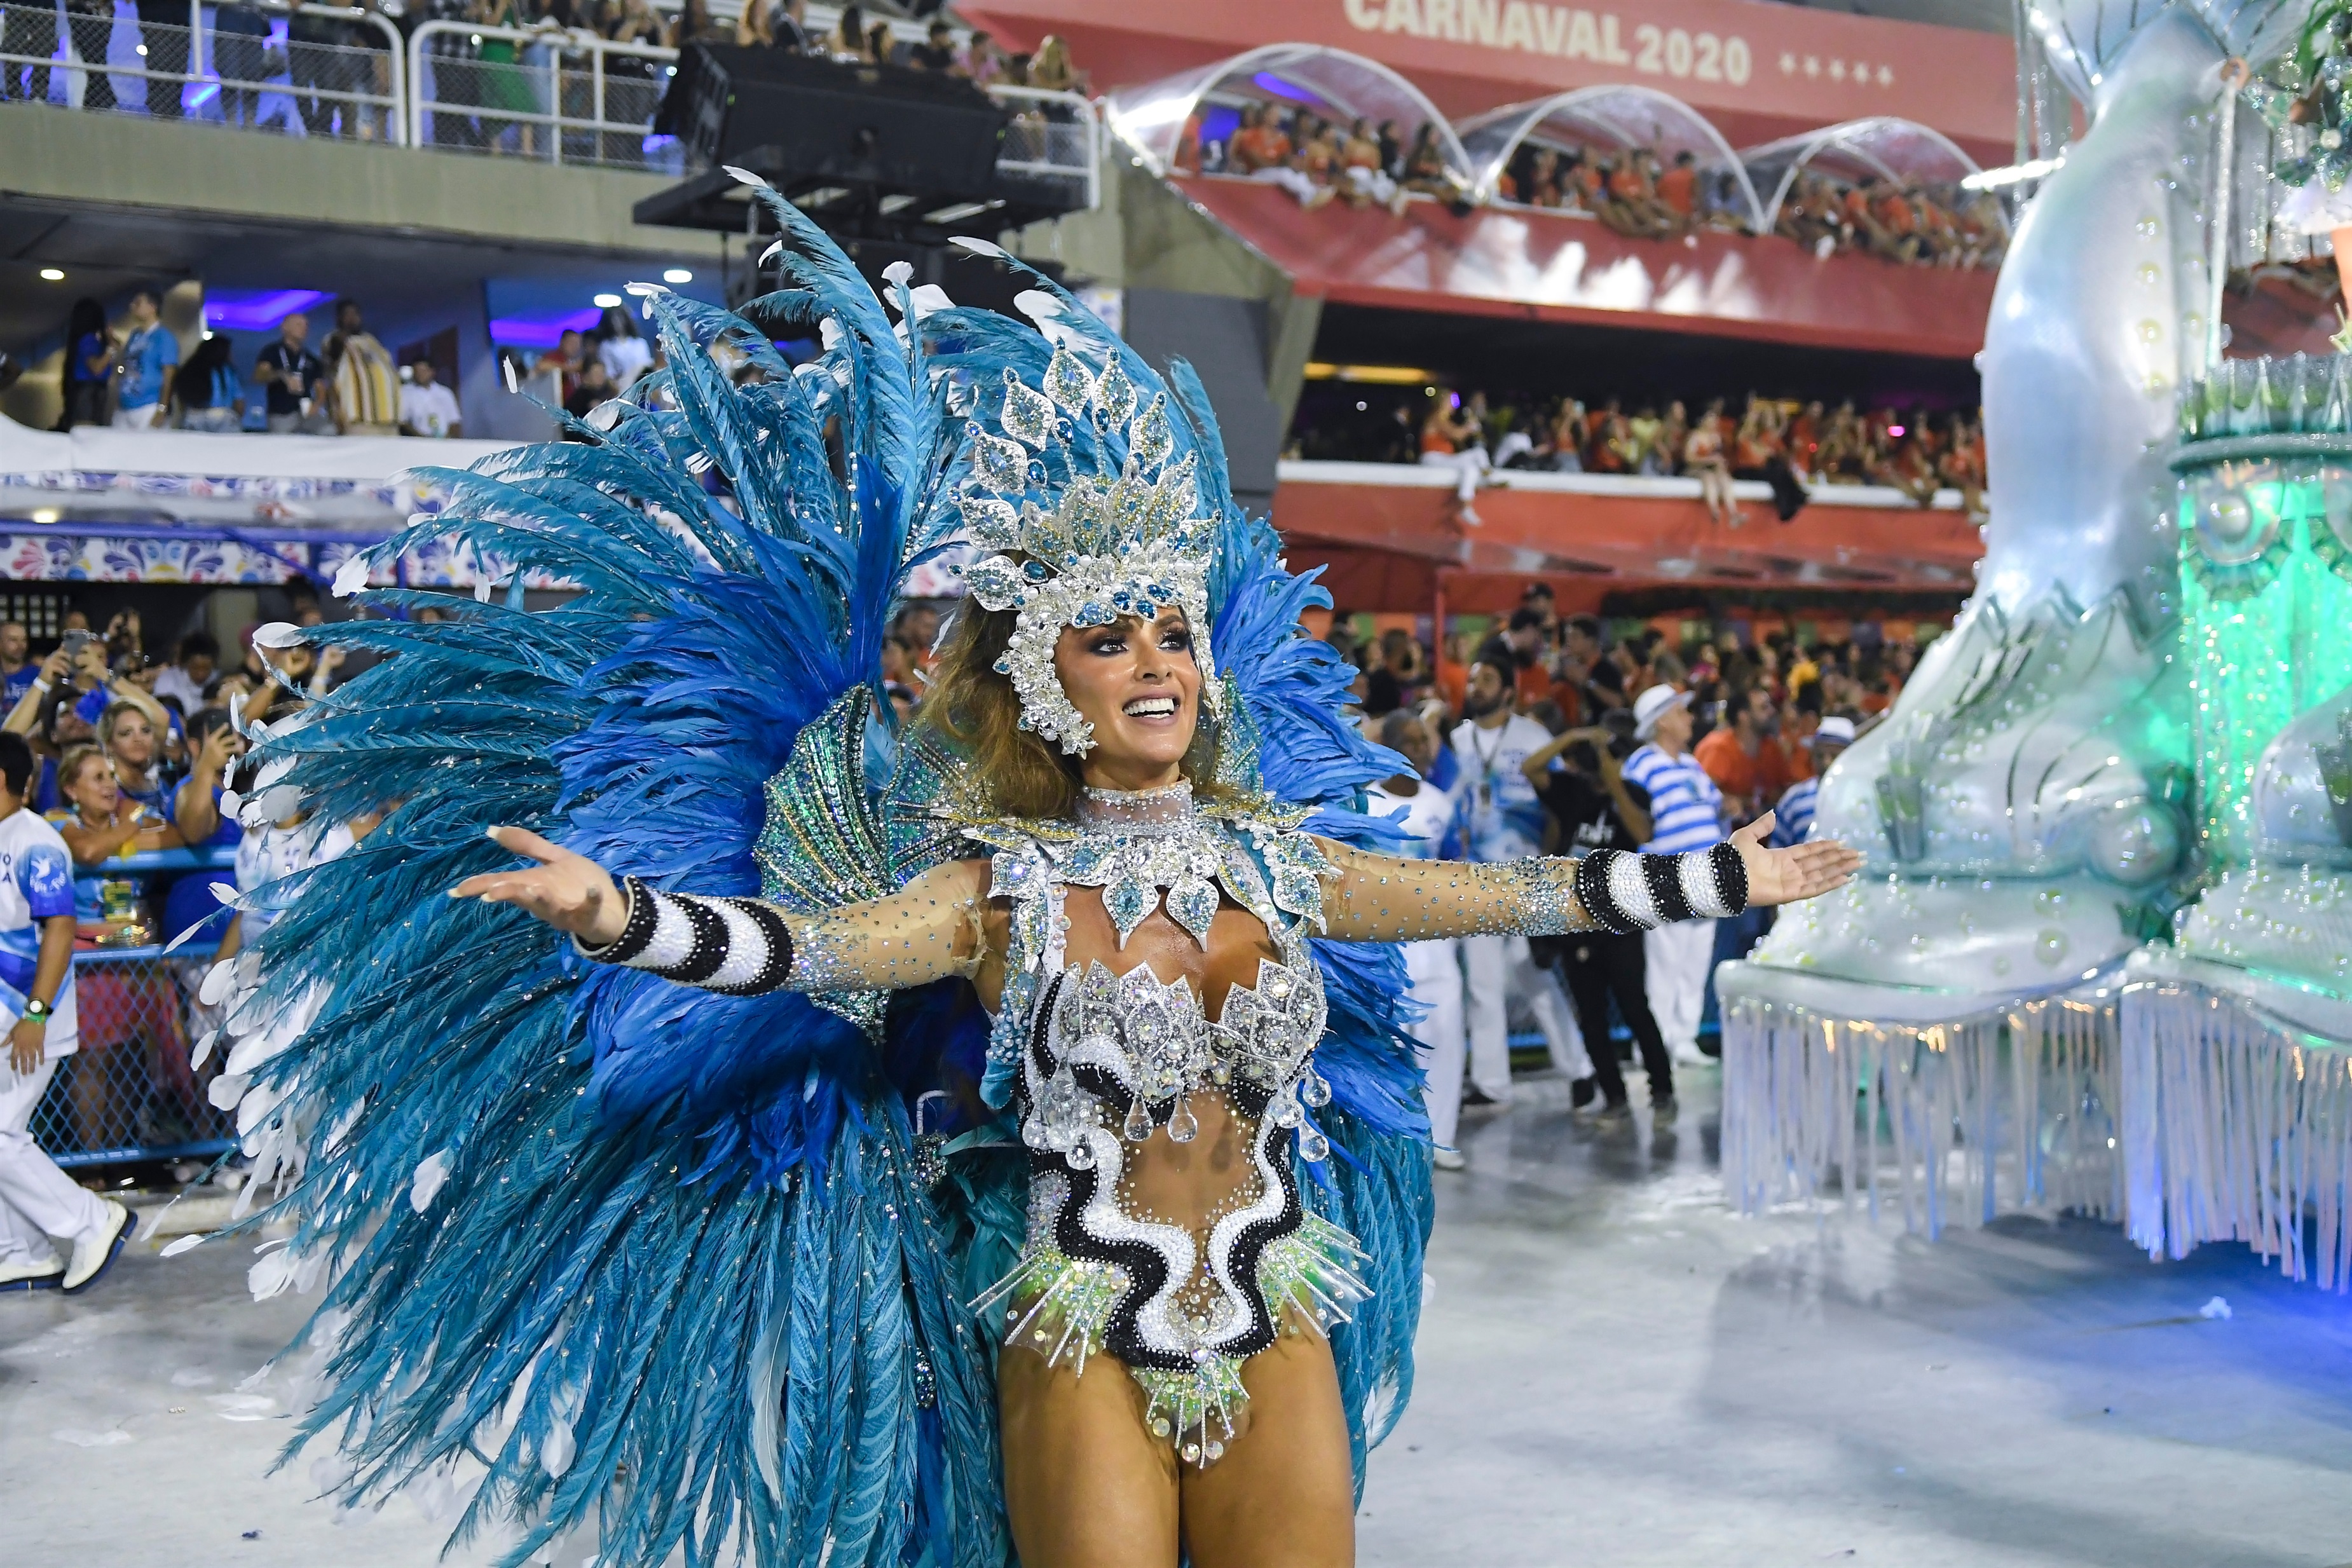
(39,1204)
(18,669)
(1792,819)
(150,359)
(1685,814)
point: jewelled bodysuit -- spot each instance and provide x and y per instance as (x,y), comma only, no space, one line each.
(1164,1218)
(1165,1226)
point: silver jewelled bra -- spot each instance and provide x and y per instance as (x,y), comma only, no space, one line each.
(1117,1078)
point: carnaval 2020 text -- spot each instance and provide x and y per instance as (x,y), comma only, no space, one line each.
(1563,31)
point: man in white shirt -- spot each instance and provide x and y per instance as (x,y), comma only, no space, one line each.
(1505,821)
(426,407)
(39,1204)
(186,677)
(1685,814)
(1433,831)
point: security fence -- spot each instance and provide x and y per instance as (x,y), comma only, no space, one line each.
(129,1093)
(304,70)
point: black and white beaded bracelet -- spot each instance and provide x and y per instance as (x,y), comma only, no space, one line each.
(738,946)
(1627,893)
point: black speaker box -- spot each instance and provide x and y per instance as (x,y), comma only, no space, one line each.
(797,118)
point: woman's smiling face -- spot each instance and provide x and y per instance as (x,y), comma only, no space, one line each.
(1136,684)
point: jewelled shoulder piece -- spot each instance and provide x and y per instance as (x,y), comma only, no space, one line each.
(822,845)
(1087,514)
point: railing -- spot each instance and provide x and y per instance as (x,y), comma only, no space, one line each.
(129,1093)
(304,70)
(542,93)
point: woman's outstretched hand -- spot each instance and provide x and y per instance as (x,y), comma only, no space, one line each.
(1800,870)
(571,892)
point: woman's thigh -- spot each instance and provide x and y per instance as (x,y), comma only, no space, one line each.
(1284,1496)
(1086,1486)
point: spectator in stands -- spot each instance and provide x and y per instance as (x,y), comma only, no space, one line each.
(1363,181)
(1685,814)
(1503,820)
(565,361)
(694,24)
(127,731)
(1395,681)
(26,32)
(1759,451)
(294,378)
(1453,437)
(1634,206)
(88,365)
(17,670)
(1585,671)
(38,1202)
(847,41)
(1051,69)
(1424,166)
(1744,756)
(426,407)
(509,97)
(195,800)
(594,387)
(98,818)
(937,52)
(1678,191)
(363,385)
(622,348)
(190,673)
(144,370)
(982,61)
(636,22)
(89,25)
(241,38)
(207,392)
(164,54)
(881,45)
(1704,460)
(1431,820)
(1792,819)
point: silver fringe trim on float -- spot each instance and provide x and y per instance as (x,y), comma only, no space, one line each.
(1950,1122)
(2240,1128)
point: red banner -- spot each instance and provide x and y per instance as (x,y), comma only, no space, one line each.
(1758,70)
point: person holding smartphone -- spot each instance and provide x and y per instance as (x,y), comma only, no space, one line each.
(290,373)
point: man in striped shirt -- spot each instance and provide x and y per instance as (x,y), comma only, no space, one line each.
(1685,814)
(1792,819)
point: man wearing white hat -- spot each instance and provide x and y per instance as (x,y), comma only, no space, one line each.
(1792,819)
(1685,813)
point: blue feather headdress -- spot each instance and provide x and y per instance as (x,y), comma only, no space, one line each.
(685,1266)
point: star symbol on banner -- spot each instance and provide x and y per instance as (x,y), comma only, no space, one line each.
(1861,71)
(1812,66)
(1788,64)
(1885,76)
(1837,70)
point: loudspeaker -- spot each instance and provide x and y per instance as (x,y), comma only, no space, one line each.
(797,118)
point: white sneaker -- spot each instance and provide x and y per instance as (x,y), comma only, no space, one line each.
(1689,1055)
(32,1274)
(1447,1159)
(93,1257)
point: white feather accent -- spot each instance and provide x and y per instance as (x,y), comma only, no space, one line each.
(977,246)
(185,1244)
(351,576)
(278,635)
(431,1172)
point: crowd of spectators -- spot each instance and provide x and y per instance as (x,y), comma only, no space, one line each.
(1319,159)
(133,746)
(1916,223)
(1787,445)
(1546,733)
(132,377)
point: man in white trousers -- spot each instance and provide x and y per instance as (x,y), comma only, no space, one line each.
(1685,814)
(40,1206)
(1504,820)
(1433,969)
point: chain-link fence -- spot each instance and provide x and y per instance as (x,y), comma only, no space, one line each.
(307,70)
(130,1093)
